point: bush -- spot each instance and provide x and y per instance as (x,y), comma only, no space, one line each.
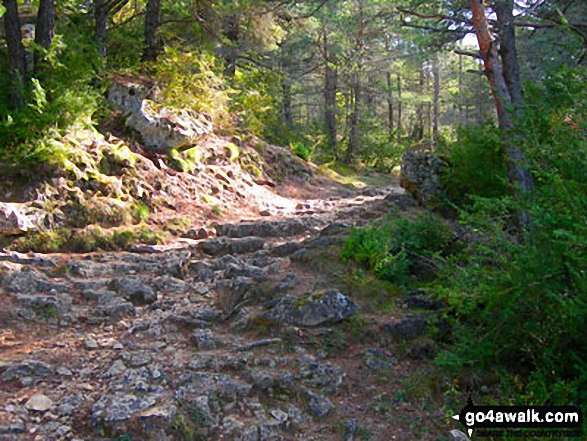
(520,304)
(476,165)
(300,150)
(193,80)
(399,250)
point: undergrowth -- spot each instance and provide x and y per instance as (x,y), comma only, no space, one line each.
(517,301)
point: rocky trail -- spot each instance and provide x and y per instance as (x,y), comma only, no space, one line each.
(253,333)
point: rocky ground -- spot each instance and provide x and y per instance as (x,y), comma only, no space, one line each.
(257,332)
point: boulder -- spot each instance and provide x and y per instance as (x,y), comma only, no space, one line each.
(311,309)
(134,290)
(318,404)
(127,94)
(420,175)
(163,128)
(17,218)
(39,403)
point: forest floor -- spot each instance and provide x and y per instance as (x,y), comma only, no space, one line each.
(246,325)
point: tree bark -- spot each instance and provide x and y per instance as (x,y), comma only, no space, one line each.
(232,34)
(518,173)
(16,54)
(389,107)
(480,96)
(399,105)
(101,26)
(45,29)
(330,87)
(354,118)
(418,130)
(508,52)
(152,47)
(287,113)
(460,98)
(436,113)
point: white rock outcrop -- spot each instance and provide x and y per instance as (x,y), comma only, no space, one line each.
(16,218)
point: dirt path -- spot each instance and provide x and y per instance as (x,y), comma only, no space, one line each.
(259,333)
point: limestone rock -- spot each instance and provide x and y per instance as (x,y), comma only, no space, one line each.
(25,369)
(203,339)
(17,218)
(408,328)
(163,128)
(127,94)
(457,435)
(118,409)
(39,403)
(312,309)
(318,404)
(420,175)
(134,290)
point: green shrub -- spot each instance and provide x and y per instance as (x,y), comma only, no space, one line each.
(520,304)
(192,80)
(300,150)
(399,249)
(476,165)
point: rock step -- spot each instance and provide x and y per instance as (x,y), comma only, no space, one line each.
(281,228)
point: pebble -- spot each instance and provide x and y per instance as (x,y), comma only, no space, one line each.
(90,344)
(39,403)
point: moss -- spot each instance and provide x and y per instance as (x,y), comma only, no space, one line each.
(47,311)
(89,239)
(301,302)
(233,151)
(253,170)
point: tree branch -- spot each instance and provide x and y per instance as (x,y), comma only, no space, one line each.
(468,54)
(431,16)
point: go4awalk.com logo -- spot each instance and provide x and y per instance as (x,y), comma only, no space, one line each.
(533,421)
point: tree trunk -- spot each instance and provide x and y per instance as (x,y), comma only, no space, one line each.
(389,107)
(480,96)
(399,105)
(330,86)
(418,130)
(354,118)
(231,32)
(45,30)
(460,98)
(151,49)
(16,54)
(436,112)
(287,113)
(508,52)
(518,172)
(101,27)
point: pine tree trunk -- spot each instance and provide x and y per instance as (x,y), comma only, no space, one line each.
(508,51)
(389,107)
(45,29)
(232,33)
(480,96)
(151,49)
(330,87)
(101,27)
(287,113)
(16,54)
(436,112)
(399,105)
(518,172)
(354,118)
(460,98)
